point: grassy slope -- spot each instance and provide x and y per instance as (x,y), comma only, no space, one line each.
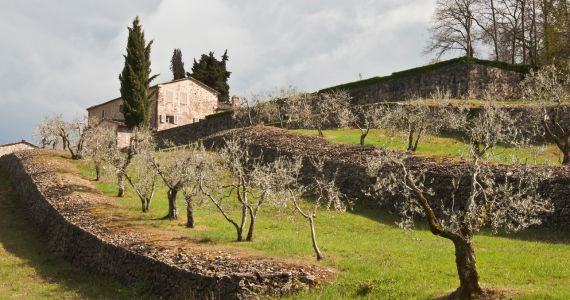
(439,145)
(28,271)
(375,258)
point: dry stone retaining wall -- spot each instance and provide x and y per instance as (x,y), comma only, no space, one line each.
(349,163)
(71,232)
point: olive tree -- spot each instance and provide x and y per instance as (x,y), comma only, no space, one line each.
(364,117)
(119,160)
(98,139)
(251,184)
(322,188)
(315,111)
(143,175)
(178,170)
(421,117)
(71,134)
(510,202)
(548,89)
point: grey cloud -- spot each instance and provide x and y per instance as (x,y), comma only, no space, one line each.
(63,56)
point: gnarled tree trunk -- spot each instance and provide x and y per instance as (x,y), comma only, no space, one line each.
(120,184)
(467,271)
(172,209)
(189,212)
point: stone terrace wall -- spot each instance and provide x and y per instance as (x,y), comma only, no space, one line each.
(350,164)
(462,80)
(185,134)
(71,232)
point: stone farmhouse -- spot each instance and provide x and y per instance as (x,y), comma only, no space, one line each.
(176,103)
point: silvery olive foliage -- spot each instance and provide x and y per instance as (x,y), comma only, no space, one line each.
(364,117)
(548,89)
(476,195)
(266,107)
(316,111)
(251,185)
(53,130)
(119,160)
(178,168)
(98,138)
(421,117)
(323,189)
(143,180)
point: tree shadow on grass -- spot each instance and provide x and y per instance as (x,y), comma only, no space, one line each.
(24,246)
(535,234)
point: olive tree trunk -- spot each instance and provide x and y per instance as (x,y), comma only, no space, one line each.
(314,238)
(189,212)
(172,209)
(467,271)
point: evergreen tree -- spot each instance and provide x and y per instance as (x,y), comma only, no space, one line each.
(177,65)
(135,79)
(213,73)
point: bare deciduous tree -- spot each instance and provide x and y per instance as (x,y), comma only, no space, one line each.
(453,28)
(512,203)
(549,88)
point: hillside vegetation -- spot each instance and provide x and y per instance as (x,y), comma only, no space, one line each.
(373,258)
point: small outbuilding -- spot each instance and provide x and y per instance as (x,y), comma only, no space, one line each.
(13,147)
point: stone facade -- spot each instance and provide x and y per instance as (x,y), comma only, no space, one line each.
(176,103)
(461,79)
(13,147)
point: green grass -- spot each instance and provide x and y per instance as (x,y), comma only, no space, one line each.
(440,146)
(374,258)
(28,271)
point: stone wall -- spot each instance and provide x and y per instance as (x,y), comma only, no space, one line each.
(461,79)
(350,164)
(186,134)
(61,212)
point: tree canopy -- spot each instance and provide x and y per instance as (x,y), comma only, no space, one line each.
(213,72)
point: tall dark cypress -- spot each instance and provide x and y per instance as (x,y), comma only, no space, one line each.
(135,79)
(177,65)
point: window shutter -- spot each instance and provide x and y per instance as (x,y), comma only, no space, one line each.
(175,120)
(161,118)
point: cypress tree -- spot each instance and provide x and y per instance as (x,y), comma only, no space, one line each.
(213,73)
(135,79)
(177,65)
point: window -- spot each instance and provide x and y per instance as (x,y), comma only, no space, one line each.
(169,95)
(183,99)
(103,114)
(171,119)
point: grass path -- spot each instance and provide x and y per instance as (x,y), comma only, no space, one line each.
(432,145)
(375,258)
(28,271)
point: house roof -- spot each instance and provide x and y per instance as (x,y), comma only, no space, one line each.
(164,83)
(20,142)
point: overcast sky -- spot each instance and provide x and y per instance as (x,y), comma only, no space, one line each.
(62,56)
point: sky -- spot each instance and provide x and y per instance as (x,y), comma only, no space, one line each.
(62,56)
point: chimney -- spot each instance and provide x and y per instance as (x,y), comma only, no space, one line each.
(235,101)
